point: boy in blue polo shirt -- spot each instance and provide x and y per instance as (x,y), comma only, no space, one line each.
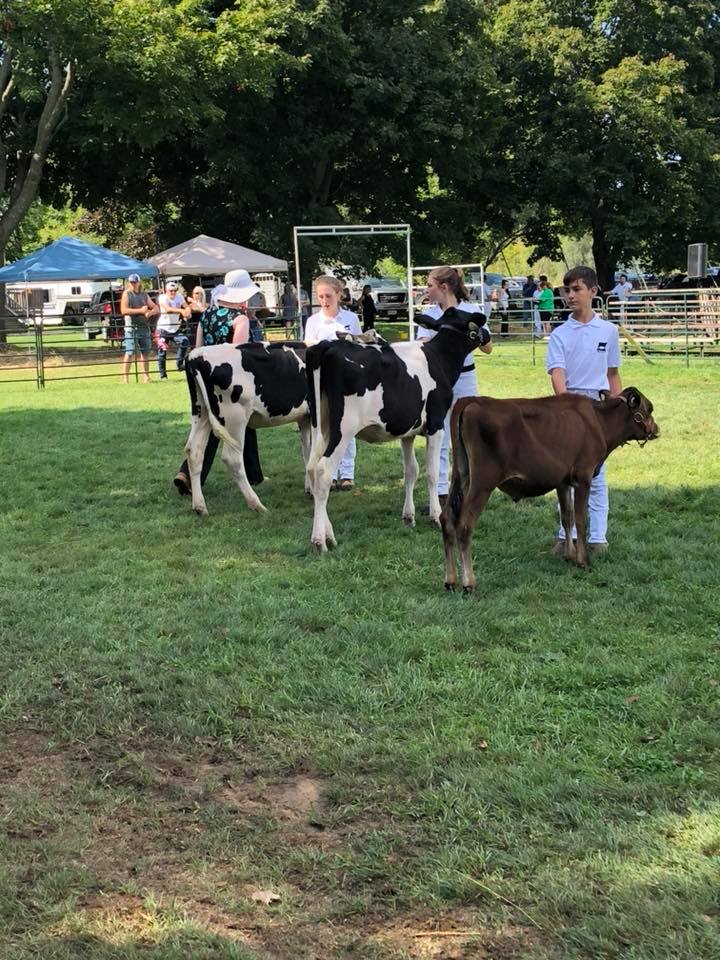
(583,357)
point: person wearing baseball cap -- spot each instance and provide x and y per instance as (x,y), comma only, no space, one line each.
(173,310)
(137,308)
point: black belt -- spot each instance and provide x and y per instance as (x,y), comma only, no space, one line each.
(468,367)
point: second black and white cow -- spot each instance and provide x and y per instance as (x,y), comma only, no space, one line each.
(235,387)
(385,392)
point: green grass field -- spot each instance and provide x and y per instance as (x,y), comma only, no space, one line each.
(193,711)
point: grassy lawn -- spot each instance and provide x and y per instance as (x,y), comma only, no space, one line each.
(192,712)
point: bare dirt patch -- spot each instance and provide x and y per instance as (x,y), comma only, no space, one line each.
(453,935)
(136,821)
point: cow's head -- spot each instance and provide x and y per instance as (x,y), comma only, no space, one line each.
(641,410)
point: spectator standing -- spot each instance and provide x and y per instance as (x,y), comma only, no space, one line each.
(622,290)
(305,306)
(137,309)
(173,310)
(256,305)
(446,288)
(503,302)
(330,321)
(369,310)
(198,305)
(546,305)
(537,324)
(225,321)
(561,311)
(528,290)
(584,357)
(346,298)
(289,304)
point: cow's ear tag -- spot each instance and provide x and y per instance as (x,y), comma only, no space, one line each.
(473,331)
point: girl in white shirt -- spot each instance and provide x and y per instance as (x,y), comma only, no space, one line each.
(446,288)
(330,320)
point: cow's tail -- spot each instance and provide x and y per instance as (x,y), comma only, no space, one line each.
(313,369)
(461,466)
(196,378)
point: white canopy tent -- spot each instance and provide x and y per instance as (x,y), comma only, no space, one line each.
(208,256)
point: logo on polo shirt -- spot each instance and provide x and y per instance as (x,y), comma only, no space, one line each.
(602,346)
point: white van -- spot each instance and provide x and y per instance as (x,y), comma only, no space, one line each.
(60,301)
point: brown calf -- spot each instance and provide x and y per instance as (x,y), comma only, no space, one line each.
(527,448)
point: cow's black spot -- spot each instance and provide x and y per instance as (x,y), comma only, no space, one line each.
(279,374)
(236,393)
(222,375)
(203,368)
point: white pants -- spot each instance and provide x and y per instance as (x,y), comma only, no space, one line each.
(537,323)
(466,386)
(598,500)
(598,508)
(346,468)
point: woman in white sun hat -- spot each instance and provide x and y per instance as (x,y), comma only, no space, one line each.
(226,321)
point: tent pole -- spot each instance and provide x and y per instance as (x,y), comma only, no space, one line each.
(297,284)
(411,304)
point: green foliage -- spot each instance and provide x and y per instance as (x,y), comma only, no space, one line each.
(481,125)
(615,108)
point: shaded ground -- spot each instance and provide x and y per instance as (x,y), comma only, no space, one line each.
(124,825)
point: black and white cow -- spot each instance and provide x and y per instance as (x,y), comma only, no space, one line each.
(235,387)
(380,393)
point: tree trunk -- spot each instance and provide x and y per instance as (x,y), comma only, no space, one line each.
(3,302)
(604,256)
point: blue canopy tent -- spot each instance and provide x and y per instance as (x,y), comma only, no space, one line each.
(72,259)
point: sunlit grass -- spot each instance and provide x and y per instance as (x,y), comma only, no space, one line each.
(548,748)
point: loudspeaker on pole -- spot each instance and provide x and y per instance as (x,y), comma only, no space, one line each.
(697,260)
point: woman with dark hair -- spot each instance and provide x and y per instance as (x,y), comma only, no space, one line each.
(369,310)
(446,288)
(503,302)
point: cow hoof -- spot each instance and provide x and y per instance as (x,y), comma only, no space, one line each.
(318,546)
(468,589)
(409,519)
(201,511)
(435,521)
(450,587)
(258,507)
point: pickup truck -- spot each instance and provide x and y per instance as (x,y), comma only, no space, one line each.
(391,297)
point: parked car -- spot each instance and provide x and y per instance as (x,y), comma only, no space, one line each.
(515,286)
(391,297)
(103,317)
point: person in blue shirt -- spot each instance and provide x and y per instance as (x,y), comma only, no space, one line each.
(584,357)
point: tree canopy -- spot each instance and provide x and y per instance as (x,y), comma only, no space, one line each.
(479,123)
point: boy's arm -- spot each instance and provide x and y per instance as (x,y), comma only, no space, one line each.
(557,378)
(555,363)
(614,381)
(613,361)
